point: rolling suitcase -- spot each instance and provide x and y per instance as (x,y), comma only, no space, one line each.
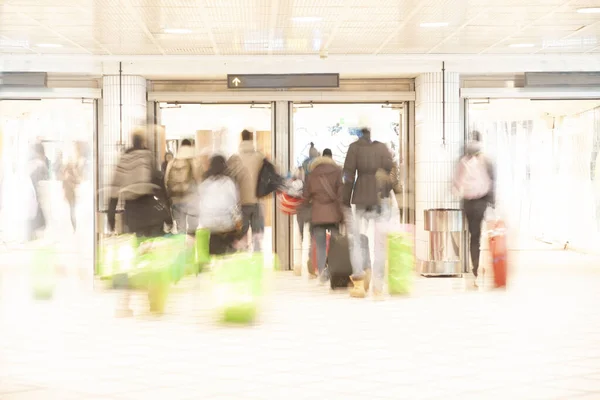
(338,262)
(498,251)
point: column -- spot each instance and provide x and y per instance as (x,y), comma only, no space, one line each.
(118,123)
(282,227)
(435,158)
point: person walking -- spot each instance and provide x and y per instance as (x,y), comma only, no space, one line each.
(323,192)
(245,168)
(474,181)
(182,177)
(39,171)
(368,164)
(137,182)
(218,198)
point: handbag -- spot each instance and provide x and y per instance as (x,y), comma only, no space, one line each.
(268,180)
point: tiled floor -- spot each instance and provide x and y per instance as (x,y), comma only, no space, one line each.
(539,340)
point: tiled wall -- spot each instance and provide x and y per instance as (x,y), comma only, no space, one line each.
(435,159)
(133,94)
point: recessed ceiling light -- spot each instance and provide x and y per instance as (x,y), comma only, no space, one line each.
(307,19)
(49,45)
(521,45)
(433,24)
(589,10)
(177,31)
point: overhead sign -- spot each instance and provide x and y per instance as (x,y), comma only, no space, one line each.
(554,79)
(22,79)
(283,81)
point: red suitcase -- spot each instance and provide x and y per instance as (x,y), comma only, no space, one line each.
(313,255)
(499,252)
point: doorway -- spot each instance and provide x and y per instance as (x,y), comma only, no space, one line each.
(216,129)
(335,126)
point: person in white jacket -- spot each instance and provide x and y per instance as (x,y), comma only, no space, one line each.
(219,206)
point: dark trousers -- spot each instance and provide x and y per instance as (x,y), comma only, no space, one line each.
(475,211)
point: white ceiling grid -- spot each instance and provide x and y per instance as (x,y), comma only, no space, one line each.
(297,27)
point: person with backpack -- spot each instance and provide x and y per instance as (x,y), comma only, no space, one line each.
(474,181)
(182,177)
(218,202)
(367,168)
(245,168)
(323,192)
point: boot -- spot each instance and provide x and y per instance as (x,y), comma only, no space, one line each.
(367,279)
(358,290)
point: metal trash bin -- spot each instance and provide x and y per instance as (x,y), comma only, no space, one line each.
(446,229)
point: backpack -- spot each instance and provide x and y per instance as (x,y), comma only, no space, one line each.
(180,179)
(219,210)
(475,180)
(268,180)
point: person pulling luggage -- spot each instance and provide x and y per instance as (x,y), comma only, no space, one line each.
(323,192)
(368,164)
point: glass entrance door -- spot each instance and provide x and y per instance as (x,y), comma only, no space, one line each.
(216,129)
(335,127)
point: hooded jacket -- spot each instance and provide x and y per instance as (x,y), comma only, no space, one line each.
(323,190)
(363,159)
(245,167)
(186,153)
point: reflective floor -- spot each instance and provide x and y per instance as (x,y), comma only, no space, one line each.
(539,340)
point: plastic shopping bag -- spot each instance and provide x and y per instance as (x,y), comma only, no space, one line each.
(202,247)
(116,255)
(238,284)
(43,271)
(401,262)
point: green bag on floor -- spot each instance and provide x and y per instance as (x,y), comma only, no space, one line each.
(238,285)
(157,265)
(116,255)
(202,247)
(401,262)
(43,272)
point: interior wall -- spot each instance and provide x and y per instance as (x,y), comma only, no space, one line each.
(545,154)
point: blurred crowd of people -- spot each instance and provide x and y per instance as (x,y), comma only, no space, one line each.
(189,191)
(26,197)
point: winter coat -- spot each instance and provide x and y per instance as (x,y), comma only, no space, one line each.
(363,159)
(218,204)
(139,183)
(245,168)
(323,190)
(186,153)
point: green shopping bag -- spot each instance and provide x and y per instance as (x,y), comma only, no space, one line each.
(238,285)
(401,262)
(43,272)
(202,248)
(116,255)
(155,268)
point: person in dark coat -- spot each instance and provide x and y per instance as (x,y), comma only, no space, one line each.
(367,164)
(140,185)
(323,191)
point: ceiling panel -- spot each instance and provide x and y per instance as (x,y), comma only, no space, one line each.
(238,27)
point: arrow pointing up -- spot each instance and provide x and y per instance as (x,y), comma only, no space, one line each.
(236,81)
